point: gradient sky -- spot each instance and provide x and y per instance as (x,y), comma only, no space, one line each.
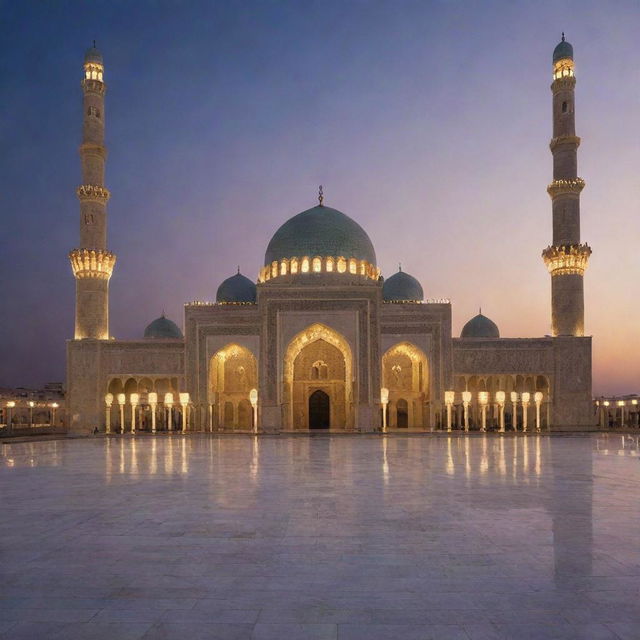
(427,122)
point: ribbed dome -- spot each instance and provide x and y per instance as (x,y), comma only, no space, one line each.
(164,328)
(236,289)
(402,287)
(563,50)
(93,55)
(480,327)
(321,231)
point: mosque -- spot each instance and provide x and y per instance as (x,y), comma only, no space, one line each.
(322,340)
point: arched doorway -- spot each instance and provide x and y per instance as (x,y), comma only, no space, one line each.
(233,372)
(319,410)
(318,359)
(405,373)
(402,413)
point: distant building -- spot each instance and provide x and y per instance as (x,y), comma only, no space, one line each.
(322,337)
(22,407)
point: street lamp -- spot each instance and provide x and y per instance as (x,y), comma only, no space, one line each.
(449,398)
(501,396)
(384,401)
(514,403)
(121,400)
(134,398)
(253,399)
(10,405)
(184,401)
(31,405)
(621,405)
(537,397)
(483,399)
(152,397)
(526,397)
(54,406)
(168,402)
(108,400)
(466,399)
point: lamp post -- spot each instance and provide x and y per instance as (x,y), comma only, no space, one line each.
(606,414)
(500,398)
(537,397)
(134,398)
(621,405)
(31,405)
(10,405)
(466,399)
(634,403)
(483,399)
(168,402)
(526,397)
(152,396)
(253,399)
(184,401)
(108,400)
(384,401)
(514,403)
(54,406)
(121,400)
(449,397)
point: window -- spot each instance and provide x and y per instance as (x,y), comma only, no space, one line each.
(564,107)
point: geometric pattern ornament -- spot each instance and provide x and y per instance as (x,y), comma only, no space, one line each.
(567,259)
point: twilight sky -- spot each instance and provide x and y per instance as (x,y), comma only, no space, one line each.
(427,122)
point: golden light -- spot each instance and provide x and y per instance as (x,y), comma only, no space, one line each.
(184,399)
(253,397)
(538,397)
(563,68)
(55,405)
(513,396)
(305,265)
(466,397)
(317,265)
(501,396)
(11,404)
(168,399)
(449,397)
(121,399)
(384,395)
(526,397)
(108,399)
(606,403)
(621,403)
(483,397)
(134,399)
(32,403)
(634,402)
(152,397)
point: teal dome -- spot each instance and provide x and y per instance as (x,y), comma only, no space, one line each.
(93,55)
(563,50)
(402,287)
(236,290)
(321,231)
(163,328)
(480,327)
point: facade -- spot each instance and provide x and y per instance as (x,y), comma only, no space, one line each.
(321,338)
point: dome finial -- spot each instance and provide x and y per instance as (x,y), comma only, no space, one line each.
(238,269)
(399,266)
(320,196)
(563,36)
(480,310)
(94,44)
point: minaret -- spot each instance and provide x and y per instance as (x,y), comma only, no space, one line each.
(566,258)
(92,264)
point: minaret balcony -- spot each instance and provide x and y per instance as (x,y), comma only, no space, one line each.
(564,140)
(92,263)
(567,259)
(564,187)
(93,192)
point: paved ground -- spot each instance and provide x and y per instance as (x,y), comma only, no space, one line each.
(399,538)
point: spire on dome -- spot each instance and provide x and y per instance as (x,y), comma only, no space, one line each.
(320,196)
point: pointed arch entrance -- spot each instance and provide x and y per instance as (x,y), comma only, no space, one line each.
(317,391)
(405,373)
(233,372)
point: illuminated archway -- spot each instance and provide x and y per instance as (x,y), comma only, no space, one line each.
(318,359)
(405,373)
(233,372)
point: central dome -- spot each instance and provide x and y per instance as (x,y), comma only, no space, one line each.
(320,231)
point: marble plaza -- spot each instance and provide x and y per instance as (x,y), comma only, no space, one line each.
(328,537)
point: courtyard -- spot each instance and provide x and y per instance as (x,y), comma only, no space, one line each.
(329,537)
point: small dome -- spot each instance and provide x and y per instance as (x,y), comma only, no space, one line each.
(93,55)
(480,327)
(236,289)
(320,231)
(164,328)
(402,287)
(563,50)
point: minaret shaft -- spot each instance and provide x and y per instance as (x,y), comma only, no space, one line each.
(92,263)
(566,258)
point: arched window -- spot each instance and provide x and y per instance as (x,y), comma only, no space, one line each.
(353,266)
(305,265)
(342,265)
(317,265)
(294,265)
(329,265)
(564,107)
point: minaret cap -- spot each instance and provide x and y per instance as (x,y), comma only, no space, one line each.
(563,50)
(93,55)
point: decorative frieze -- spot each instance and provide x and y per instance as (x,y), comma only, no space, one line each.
(94,86)
(564,83)
(91,149)
(92,263)
(562,187)
(318,264)
(93,192)
(567,259)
